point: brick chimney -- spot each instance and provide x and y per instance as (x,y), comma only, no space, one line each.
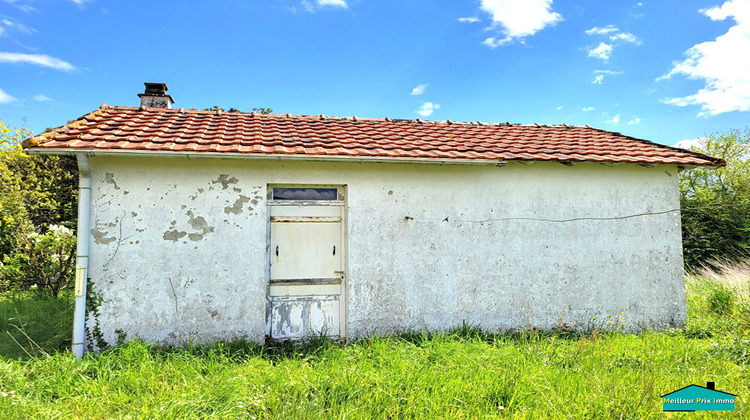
(156,96)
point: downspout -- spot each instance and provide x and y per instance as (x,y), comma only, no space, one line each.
(82,258)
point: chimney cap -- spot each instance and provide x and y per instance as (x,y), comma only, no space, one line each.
(156,88)
(156,96)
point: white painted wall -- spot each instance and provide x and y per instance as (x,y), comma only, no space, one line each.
(178,247)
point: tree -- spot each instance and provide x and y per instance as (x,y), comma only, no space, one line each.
(723,231)
(38,199)
(48,185)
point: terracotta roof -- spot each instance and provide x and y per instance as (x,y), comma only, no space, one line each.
(177,130)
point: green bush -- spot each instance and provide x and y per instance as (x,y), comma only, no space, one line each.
(41,260)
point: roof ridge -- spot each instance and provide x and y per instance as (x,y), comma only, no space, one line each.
(339,118)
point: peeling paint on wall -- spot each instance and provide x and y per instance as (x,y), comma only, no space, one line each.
(109,178)
(198,223)
(225,180)
(236,208)
(173,235)
(101,238)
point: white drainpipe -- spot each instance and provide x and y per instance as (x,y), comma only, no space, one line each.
(82,259)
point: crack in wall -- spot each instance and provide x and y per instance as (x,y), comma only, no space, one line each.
(174,294)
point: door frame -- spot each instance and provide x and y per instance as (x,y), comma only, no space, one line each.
(341,201)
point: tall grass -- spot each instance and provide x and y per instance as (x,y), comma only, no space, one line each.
(34,323)
(718,297)
(463,373)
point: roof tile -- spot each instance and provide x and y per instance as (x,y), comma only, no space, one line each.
(128,128)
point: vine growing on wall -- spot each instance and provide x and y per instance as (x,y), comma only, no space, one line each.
(94,334)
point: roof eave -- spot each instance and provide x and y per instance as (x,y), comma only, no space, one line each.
(329,158)
(257,156)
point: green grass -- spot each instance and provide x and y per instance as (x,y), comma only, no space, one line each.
(463,373)
(34,323)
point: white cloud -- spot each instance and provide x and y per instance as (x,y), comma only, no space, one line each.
(602,31)
(307,6)
(427,109)
(493,42)
(688,144)
(518,18)
(599,78)
(42,98)
(602,52)
(334,3)
(5,98)
(639,4)
(615,120)
(559,108)
(7,24)
(419,89)
(634,121)
(588,109)
(38,59)
(721,63)
(23,7)
(469,19)
(615,36)
(625,37)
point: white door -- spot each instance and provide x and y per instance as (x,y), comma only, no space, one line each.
(306,291)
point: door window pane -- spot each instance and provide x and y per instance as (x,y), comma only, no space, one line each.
(304,193)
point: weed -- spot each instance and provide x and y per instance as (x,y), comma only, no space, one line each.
(721,300)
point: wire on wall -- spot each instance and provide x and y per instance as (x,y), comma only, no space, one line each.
(576,219)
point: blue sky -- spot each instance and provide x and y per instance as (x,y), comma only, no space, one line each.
(662,70)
